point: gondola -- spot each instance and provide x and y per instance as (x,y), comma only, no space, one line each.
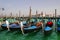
(47,30)
(58,29)
(27,27)
(58,25)
(17,27)
(48,27)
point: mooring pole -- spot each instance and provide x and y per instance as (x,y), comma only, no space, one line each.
(55,19)
(36,15)
(19,16)
(30,14)
(23,17)
(11,14)
(43,22)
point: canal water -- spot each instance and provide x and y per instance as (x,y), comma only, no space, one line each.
(38,35)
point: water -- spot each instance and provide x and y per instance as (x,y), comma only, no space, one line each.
(38,35)
(17,35)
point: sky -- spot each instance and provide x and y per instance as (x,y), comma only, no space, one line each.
(14,6)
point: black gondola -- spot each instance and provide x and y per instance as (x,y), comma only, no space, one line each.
(48,27)
(17,27)
(58,25)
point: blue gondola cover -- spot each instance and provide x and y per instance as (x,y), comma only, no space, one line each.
(32,27)
(11,26)
(58,28)
(18,26)
(48,28)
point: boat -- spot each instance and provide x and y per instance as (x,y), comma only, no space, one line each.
(47,30)
(16,26)
(48,27)
(58,25)
(58,29)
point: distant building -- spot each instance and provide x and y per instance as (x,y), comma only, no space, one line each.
(58,15)
(47,15)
